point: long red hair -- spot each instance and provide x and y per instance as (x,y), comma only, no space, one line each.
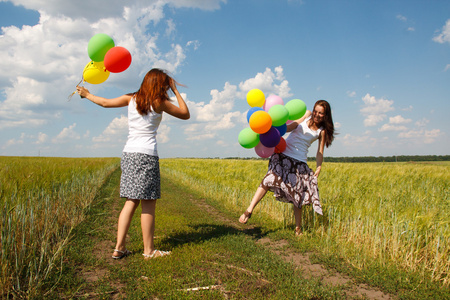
(153,91)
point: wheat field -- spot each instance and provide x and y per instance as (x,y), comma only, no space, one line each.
(42,200)
(389,212)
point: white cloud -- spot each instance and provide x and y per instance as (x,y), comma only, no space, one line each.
(399,120)
(351,93)
(42,138)
(375,109)
(392,127)
(116,131)
(207,119)
(421,135)
(444,35)
(163,134)
(422,122)
(402,18)
(364,141)
(68,134)
(94,10)
(265,82)
(42,63)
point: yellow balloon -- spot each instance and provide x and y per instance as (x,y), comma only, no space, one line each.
(255,97)
(95,72)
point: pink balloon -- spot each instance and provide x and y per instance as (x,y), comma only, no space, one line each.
(271,101)
(264,151)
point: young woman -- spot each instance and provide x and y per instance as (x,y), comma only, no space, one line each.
(140,180)
(289,177)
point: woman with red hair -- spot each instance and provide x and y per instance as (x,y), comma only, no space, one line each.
(140,179)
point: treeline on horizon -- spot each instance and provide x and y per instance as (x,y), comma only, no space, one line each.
(396,158)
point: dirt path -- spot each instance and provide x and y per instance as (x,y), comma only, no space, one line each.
(300,260)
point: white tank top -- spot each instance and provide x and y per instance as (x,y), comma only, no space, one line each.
(142,130)
(299,141)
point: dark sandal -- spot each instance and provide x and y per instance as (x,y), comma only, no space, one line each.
(122,253)
(247,215)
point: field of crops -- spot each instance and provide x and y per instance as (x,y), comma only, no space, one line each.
(42,200)
(390,213)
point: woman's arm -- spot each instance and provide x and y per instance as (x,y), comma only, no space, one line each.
(295,123)
(181,111)
(319,155)
(104,102)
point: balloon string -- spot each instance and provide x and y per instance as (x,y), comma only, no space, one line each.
(70,96)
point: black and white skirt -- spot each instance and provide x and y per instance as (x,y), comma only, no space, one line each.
(140,178)
(292,181)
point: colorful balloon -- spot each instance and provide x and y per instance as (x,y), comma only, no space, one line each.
(281,146)
(248,138)
(282,129)
(251,111)
(117,59)
(296,109)
(263,151)
(255,97)
(98,45)
(271,101)
(260,121)
(271,138)
(279,114)
(95,72)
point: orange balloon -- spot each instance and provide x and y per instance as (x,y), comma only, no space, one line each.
(260,121)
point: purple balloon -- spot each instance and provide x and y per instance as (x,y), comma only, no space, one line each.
(271,138)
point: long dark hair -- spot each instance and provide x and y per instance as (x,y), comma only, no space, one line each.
(153,90)
(327,123)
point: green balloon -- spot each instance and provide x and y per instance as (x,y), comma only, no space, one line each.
(248,138)
(98,45)
(279,114)
(296,109)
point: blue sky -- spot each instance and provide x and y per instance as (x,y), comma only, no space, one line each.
(384,66)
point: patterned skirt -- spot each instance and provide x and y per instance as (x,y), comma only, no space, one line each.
(292,181)
(140,179)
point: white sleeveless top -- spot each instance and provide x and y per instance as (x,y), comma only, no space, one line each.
(142,131)
(299,141)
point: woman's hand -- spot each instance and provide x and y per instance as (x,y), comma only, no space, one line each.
(82,91)
(173,84)
(317,171)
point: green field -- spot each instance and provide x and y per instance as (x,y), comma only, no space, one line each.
(42,200)
(384,224)
(387,213)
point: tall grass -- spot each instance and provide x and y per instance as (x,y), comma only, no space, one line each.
(42,200)
(388,212)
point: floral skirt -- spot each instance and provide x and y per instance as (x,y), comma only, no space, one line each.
(140,179)
(292,181)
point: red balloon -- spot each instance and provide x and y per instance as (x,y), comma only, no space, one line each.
(281,146)
(117,59)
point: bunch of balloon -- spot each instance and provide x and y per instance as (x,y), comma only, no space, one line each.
(105,57)
(268,119)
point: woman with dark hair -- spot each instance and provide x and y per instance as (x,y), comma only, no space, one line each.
(289,177)
(140,179)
